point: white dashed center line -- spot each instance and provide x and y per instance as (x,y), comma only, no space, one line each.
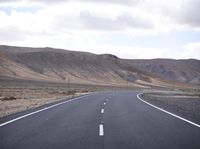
(101,131)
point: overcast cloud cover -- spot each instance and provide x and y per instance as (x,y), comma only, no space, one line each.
(126,28)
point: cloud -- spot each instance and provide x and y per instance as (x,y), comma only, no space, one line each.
(189,13)
(134,21)
(121,27)
(50,1)
(17,34)
(123,2)
(44,1)
(90,21)
(7,1)
(129,52)
(120,22)
(178,12)
(191,50)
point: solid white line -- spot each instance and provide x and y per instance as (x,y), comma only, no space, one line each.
(46,108)
(101,131)
(102,110)
(183,119)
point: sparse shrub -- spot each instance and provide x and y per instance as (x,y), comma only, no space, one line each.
(84,91)
(12,98)
(8,98)
(72,92)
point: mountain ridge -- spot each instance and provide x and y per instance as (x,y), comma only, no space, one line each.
(61,65)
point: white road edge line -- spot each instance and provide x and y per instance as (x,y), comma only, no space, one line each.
(183,119)
(46,108)
(102,110)
(101,131)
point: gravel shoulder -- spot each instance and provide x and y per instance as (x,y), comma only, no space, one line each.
(183,104)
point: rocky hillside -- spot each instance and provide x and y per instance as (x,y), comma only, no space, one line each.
(59,65)
(178,70)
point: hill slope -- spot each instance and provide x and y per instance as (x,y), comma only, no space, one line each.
(178,70)
(48,64)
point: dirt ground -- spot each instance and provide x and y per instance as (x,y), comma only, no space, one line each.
(23,95)
(14,100)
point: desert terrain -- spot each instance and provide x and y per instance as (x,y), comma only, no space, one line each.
(31,77)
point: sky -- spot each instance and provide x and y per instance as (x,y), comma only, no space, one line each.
(132,29)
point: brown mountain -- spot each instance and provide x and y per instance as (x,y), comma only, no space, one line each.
(178,70)
(57,65)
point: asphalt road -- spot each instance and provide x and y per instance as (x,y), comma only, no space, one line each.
(107,120)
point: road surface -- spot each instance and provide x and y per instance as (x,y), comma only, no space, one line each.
(106,120)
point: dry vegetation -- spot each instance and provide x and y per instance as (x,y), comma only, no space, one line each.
(20,97)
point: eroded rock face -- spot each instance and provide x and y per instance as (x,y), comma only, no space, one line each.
(178,70)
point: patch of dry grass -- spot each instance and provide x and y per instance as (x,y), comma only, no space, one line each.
(19,98)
